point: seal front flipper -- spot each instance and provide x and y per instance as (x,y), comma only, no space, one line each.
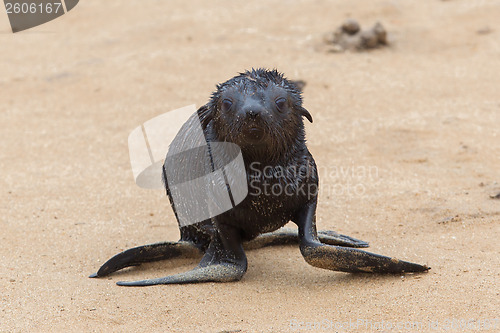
(338,258)
(148,253)
(350,260)
(223,261)
(213,273)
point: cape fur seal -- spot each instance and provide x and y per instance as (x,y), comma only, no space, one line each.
(261,112)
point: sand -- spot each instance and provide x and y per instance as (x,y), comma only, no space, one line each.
(407,139)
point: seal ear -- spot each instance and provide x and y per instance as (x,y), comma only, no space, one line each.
(305,113)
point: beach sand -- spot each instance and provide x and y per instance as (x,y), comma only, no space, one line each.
(407,140)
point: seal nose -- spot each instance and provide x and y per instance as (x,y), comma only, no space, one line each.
(252,113)
(253,110)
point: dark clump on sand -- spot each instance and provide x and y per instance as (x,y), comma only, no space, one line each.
(350,37)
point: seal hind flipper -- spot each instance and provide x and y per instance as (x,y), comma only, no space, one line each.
(148,253)
(332,238)
(287,236)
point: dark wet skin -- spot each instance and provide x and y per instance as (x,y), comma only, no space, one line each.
(262,113)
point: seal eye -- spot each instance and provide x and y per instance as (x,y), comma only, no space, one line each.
(226,105)
(280,103)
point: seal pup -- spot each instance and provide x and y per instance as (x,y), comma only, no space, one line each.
(261,112)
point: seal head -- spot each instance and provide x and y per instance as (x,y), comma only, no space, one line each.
(260,111)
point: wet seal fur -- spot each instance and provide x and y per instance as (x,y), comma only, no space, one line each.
(260,111)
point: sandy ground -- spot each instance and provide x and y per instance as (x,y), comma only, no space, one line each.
(407,140)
